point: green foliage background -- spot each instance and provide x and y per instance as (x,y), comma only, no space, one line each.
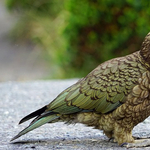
(77,35)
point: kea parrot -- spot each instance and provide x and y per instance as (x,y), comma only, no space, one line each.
(114,97)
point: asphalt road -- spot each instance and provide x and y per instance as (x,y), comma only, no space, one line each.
(18,99)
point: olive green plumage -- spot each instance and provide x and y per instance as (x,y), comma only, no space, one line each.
(102,98)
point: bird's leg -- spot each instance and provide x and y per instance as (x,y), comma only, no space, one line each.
(122,135)
(138,143)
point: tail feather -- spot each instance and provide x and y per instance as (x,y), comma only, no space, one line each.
(45,114)
(35,124)
(34,114)
(42,117)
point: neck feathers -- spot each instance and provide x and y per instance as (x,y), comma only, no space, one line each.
(145,49)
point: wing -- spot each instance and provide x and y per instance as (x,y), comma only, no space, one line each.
(102,90)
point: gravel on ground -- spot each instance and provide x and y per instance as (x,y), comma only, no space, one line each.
(18,99)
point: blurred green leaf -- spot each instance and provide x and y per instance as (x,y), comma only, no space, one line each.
(79,35)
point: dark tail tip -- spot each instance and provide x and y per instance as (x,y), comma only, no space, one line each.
(34,114)
(15,137)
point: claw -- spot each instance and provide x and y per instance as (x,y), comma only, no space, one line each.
(110,139)
(124,144)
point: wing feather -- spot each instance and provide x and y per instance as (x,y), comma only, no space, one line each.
(102,90)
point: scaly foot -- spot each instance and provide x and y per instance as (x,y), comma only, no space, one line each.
(138,143)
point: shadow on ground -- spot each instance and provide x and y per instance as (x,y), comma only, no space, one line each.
(74,143)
